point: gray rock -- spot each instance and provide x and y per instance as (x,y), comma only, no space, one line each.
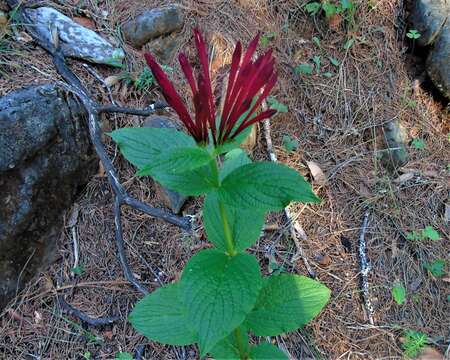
(172,199)
(395,154)
(438,62)
(151,24)
(75,40)
(45,156)
(429,17)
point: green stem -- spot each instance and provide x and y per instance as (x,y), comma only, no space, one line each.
(240,345)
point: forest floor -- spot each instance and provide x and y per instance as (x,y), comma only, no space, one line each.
(336,114)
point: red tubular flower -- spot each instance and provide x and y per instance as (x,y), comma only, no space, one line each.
(249,83)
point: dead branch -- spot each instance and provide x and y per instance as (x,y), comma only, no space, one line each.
(365,268)
(93,109)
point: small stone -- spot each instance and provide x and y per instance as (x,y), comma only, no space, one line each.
(165,47)
(3,18)
(323,260)
(152,24)
(395,154)
(171,199)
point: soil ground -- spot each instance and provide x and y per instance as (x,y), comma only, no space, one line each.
(338,122)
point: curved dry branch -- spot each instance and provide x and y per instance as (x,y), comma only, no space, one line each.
(94,110)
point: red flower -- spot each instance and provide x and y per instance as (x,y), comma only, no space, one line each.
(249,83)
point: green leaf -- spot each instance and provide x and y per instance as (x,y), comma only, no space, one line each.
(317,60)
(436,268)
(329,9)
(124,356)
(286,303)
(275,105)
(334,61)
(194,183)
(304,69)
(78,270)
(267,351)
(316,41)
(161,316)
(177,161)
(265,186)
(430,233)
(347,4)
(218,292)
(313,8)
(419,144)
(233,144)
(245,225)
(399,293)
(141,146)
(413,34)
(267,37)
(228,348)
(328,74)
(289,143)
(233,160)
(349,43)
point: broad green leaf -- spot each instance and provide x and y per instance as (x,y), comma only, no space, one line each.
(245,225)
(267,351)
(347,4)
(265,186)
(317,60)
(430,233)
(233,160)
(196,182)
(140,146)
(161,316)
(228,348)
(276,105)
(218,292)
(329,9)
(235,143)
(436,268)
(286,303)
(399,293)
(304,69)
(177,161)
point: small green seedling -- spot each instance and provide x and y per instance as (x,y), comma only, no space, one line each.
(436,268)
(414,343)
(289,143)
(276,105)
(419,144)
(334,61)
(306,69)
(87,355)
(413,34)
(79,270)
(316,41)
(399,293)
(317,60)
(266,38)
(349,43)
(145,80)
(427,233)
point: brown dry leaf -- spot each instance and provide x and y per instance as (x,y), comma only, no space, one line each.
(404,178)
(108,334)
(334,22)
(101,170)
(112,80)
(83,21)
(430,353)
(323,260)
(317,173)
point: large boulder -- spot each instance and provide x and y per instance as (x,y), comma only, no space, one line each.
(431,19)
(45,157)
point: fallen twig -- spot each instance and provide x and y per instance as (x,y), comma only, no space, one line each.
(69,309)
(365,268)
(295,229)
